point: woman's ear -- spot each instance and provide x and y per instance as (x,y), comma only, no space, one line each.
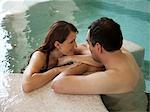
(57,44)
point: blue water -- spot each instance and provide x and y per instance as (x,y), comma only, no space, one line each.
(22,32)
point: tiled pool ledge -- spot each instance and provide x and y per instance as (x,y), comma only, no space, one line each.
(12,99)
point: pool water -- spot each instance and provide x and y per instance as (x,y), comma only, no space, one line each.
(22,31)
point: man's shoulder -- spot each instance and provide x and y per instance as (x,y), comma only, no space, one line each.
(82,49)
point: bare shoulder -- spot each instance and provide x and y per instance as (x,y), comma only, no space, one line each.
(129,56)
(82,49)
(110,82)
(37,61)
(38,54)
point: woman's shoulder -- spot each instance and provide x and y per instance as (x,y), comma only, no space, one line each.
(38,56)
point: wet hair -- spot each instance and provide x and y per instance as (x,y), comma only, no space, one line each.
(107,33)
(57,32)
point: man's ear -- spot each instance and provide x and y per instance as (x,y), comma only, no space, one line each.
(98,47)
(57,44)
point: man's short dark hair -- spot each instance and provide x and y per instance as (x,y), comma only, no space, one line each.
(106,32)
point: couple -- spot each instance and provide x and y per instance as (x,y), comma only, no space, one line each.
(108,69)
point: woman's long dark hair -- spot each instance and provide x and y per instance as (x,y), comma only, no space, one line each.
(57,32)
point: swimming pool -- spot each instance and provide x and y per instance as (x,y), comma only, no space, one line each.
(23,31)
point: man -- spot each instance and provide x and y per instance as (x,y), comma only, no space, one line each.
(120,85)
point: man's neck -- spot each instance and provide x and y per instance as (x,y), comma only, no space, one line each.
(111,59)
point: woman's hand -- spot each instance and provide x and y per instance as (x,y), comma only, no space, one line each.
(62,68)
(64,60)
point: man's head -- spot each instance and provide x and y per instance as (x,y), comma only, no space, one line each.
(106,33)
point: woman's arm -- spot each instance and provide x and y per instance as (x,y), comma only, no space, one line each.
(32,79)
(82,55)
(87,59)
(37,80)
(76,69)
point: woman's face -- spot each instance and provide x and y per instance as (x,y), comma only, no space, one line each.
(69,45)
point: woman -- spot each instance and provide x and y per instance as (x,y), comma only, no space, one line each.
(59,42)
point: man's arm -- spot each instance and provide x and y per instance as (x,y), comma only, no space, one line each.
(108,82)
